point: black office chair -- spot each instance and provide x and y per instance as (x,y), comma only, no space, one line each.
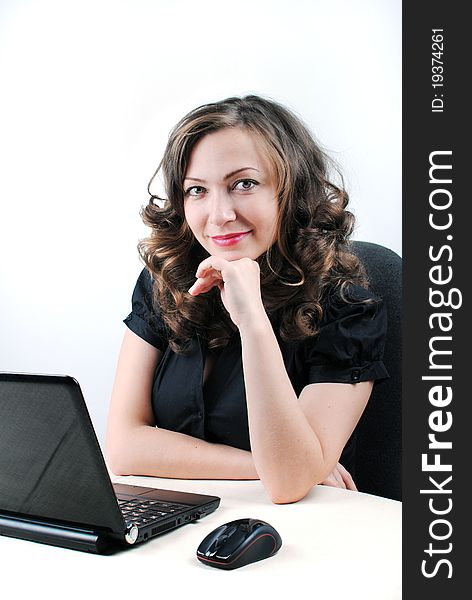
(379,444)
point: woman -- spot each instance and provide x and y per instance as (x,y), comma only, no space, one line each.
(252,345)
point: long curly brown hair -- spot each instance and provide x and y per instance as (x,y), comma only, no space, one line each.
(309,257)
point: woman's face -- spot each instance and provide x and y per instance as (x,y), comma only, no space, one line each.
(230,195)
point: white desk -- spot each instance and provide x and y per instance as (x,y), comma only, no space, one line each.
(336,544)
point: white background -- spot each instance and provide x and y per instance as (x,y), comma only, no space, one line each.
(89,92)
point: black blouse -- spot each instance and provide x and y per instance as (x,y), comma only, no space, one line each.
(348,349)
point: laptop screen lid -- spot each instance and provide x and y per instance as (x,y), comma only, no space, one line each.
(51,465)
(54,483)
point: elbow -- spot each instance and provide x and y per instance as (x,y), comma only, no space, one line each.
(117,468)
(117,461)
(289,494)
(287,498)
(284,498)
(124,450)
(289,491)
(114,464)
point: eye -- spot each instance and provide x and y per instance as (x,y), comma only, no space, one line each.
(196,190)
(245,185)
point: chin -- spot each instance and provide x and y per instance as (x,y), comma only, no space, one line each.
(231,255)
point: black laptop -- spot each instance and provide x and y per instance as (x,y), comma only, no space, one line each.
(54,485)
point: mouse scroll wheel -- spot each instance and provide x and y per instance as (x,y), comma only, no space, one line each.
(215,545)
(230,531)
(221,540)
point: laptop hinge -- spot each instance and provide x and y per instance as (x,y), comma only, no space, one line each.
(74,538)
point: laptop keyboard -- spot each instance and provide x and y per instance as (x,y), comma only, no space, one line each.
(139,511)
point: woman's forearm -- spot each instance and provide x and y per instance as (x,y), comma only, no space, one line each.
(286,451)
(147,450)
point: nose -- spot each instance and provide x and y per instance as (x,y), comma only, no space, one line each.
(221,209)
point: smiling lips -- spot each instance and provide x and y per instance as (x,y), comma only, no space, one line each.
(230,239)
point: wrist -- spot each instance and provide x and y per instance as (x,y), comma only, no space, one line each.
(255,323)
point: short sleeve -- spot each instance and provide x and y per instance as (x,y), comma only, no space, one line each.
(350,343)
(144,320)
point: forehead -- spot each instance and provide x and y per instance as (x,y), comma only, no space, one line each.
(223,151)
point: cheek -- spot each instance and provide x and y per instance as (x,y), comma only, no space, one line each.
(269,220)
(191,216)
(197,224)
(187,211)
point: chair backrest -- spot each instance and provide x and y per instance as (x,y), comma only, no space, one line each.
(379,435)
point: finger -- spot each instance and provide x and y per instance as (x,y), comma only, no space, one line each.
(212,262)
(347,478)
(330,480)
(208,278)
(204,271)
(203,285)
(334,479)
(339,479)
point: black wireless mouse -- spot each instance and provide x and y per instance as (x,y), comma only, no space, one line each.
(239,543)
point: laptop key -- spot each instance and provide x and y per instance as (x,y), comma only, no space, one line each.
(139,511)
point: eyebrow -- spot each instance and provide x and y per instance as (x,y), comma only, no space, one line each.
(226,176)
